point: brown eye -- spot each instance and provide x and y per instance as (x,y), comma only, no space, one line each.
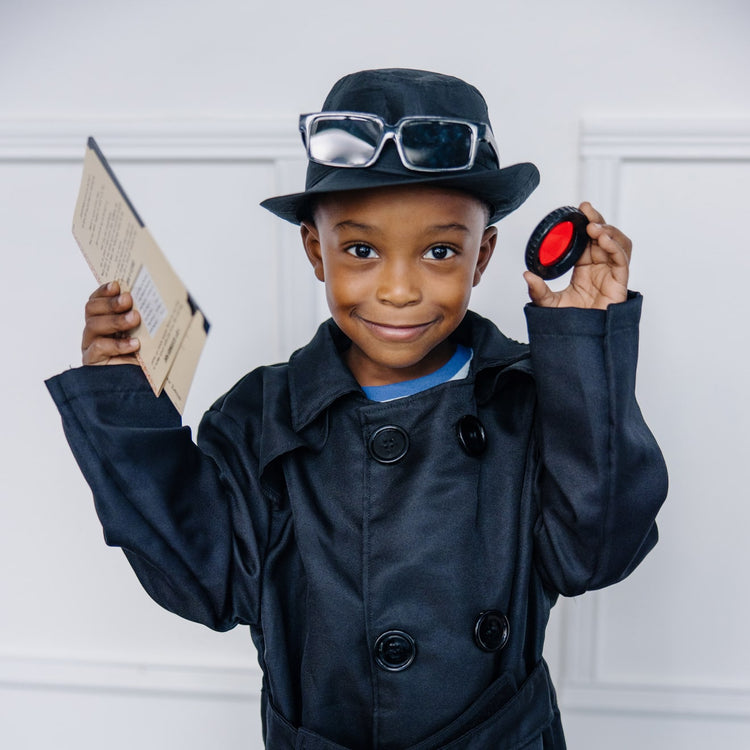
(362,251)
(439,252)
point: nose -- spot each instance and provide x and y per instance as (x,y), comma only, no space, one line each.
(398,285)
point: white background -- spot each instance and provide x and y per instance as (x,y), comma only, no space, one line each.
(641,107)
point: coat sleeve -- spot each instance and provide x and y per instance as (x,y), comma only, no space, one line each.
(191,520)
(601,477)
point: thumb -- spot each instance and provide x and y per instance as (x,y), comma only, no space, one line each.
(539,293)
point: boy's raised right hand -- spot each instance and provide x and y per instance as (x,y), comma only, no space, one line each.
(109,319)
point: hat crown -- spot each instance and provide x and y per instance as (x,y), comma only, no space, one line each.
(393,93)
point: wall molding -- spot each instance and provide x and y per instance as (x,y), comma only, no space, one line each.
(141,677)
(212,139)
(606,144)
(583,688)
(666,700)
(665,138)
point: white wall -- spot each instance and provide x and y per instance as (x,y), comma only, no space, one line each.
(196,105)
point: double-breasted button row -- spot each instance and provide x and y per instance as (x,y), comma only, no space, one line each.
(395,650)
(492,630)
(471,435)
(390,443)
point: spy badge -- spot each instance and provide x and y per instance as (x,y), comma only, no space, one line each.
(557,243)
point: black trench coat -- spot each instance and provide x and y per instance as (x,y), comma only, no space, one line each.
(396,562)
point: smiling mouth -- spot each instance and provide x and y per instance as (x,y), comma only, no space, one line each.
(398,333)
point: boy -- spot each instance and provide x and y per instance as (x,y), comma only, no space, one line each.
(395,510)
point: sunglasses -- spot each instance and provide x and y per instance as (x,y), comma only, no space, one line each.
(424,144)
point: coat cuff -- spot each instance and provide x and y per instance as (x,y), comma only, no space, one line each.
(90,390)
(576,321)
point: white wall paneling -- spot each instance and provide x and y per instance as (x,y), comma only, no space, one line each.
(660,656)
(197,185)
(668,647)
(102,673)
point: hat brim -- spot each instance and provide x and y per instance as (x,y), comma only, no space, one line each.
(503,189)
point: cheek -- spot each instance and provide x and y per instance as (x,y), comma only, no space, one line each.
(343,289)
(454,290)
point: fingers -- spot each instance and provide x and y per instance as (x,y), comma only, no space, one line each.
(116,325)
(609,246)
(109,318)
(119,305)
(600,278)
(111,351)
(614,242)
(110,289)
(591,213)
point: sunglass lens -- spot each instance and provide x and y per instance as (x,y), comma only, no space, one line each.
(437,145)
(347,141)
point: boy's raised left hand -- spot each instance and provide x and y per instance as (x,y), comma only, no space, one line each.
(600,277)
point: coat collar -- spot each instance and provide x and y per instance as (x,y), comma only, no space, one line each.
(318,375)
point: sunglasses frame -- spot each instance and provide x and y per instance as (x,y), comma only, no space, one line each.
(479,132)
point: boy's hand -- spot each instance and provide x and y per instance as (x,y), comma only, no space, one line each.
(109,318)
(600,278)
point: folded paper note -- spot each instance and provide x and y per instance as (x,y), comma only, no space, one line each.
(118,247)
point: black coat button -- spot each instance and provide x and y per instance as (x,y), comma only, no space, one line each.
(492,630)
(394,650)
(389,444)
(471,435)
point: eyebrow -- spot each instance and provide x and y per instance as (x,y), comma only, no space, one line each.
(349,224)
(453,226)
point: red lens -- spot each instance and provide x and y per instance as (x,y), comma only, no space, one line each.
(556,243)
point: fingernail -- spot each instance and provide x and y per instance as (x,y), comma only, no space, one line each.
(134,343)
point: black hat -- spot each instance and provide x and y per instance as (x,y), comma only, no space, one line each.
(393,93)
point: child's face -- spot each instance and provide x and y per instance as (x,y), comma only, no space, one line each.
(399,265)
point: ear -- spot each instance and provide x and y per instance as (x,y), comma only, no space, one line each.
(486,248)
(311,241)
